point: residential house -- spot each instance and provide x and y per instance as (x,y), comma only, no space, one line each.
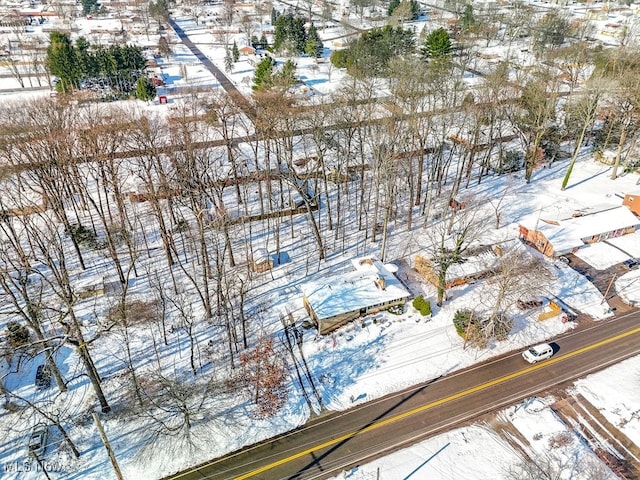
(474,266)
(568,234)
(247,50)
(338,299)
(632,201)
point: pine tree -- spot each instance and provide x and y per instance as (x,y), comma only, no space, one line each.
(438,44)
(467,20)
(393,4)
(263,76)
(235,52)
(62,61)
(145,90)
(314,45)
(286,77)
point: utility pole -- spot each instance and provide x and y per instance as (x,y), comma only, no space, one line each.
(604,297)
(105,441)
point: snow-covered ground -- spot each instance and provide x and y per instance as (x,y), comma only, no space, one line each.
(361,361)
(478,452)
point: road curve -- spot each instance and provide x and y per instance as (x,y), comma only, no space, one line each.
(329,444)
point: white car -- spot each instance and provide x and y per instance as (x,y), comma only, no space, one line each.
(537,353)
(37,443)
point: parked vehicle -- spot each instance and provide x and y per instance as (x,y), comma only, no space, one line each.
(631,263)
(37,442)
(538,353)
(528,304)
(43,377)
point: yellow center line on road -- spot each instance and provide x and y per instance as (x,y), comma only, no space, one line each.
(436,403)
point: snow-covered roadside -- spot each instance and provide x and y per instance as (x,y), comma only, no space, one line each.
(478,452)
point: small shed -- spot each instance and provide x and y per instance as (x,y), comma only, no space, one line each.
(261,261)
(247,50)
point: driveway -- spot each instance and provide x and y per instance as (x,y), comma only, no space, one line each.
(603,281)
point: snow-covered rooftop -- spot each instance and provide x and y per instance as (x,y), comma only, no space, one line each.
(569,233)
(350,291)
(484,261)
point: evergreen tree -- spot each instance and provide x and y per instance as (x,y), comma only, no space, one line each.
(145,90)
(263,76)
(263,41)
(290,34)
(438,44)
(235,53)
(62,61)
(86,60)
(90,6)
(286,77)
(314,45)
(410,9)
(393,4)
(159,9)
(228,60)
(467,20)
(371,53)
(340,58)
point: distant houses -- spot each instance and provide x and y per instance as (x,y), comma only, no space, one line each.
(565,235)
(335,300)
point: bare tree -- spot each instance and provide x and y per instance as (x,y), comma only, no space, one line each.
(624,105)
(548,466)
(447,240)
(48,412)
(584,111)
(516,275)
(533,114)
(264,372)
(176,406)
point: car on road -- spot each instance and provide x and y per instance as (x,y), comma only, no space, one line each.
(37,443)
(631,263)
(538,353)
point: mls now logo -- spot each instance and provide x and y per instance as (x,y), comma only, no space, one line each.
(27,466)
(11,467)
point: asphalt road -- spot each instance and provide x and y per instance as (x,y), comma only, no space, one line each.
(219,75)
(337,441)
